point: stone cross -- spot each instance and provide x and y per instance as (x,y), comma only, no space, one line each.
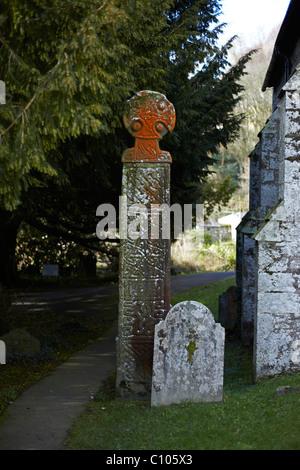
(144,279)
(2,92)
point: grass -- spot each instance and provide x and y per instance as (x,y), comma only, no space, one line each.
(207,295)
(60,334)
(251,417)
(189,257)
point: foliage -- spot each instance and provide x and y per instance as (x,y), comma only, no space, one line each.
(69,68)
(81,60)
(188,257)
(218,192)
(232,161)
(35,248)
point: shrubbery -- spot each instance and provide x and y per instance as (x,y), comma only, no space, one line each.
(188,256)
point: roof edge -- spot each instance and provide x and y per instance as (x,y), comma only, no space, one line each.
(285,30)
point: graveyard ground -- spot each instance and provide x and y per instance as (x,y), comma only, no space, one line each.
(61,335)
(251,417)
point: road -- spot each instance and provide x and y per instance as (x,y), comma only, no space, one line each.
(91,299)
(188,281)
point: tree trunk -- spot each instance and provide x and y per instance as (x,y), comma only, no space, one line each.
(9,224)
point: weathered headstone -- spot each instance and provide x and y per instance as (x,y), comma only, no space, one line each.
(229,308)
(144,280)
(20,342)
(50,270)
(2,92)
(188,363)
(2,352)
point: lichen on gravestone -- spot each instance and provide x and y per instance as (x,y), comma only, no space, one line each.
(191,348)
(188,363)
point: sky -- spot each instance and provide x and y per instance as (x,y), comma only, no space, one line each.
(251,20)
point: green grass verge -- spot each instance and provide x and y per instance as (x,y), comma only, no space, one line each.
(207,294)
(251,417)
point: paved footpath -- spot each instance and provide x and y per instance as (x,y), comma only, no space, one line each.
(40,418)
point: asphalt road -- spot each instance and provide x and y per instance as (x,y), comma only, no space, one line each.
(188,281)
(105,298)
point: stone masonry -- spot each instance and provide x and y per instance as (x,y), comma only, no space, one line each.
(277,316)
(263,196)
(268,241)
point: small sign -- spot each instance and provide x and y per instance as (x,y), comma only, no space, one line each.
(2,92)
(50,270)
(2,353)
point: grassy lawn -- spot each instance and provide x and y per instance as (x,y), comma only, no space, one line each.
(251,417)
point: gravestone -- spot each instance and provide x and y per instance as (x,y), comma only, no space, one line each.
(188,363)
(145,274)
(2,352)
(50,270)
(20,342)
(2,93)
(229,308)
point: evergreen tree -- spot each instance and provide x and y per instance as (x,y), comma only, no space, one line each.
(69,68)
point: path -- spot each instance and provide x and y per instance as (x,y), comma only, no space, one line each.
(92,298)
(41,417)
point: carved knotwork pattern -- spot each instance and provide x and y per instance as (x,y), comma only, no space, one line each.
(149,118)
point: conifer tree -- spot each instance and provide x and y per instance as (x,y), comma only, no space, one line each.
(69,67)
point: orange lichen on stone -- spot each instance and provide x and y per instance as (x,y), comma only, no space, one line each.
(149,118)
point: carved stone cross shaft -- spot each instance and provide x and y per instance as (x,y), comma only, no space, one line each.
(144,280)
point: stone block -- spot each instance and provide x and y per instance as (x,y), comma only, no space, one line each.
(276,347)
(287,389)
(188,360)
(20,342)
(229,308)
(2,353)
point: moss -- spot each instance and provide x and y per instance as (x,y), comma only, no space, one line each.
(191,348)
(267,218)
